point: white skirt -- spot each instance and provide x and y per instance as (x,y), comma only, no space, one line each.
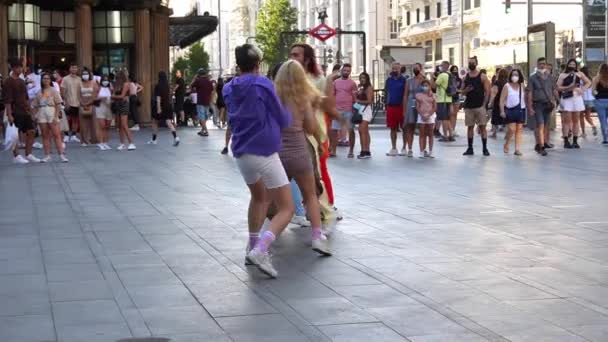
(572,104)
(431,119)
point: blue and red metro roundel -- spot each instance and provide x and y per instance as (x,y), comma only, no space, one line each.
(322,32)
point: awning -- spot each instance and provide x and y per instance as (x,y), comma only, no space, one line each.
(185,31)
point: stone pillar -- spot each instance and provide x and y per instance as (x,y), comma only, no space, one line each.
(84,33)
(4,39)
(160,42)
(143,61)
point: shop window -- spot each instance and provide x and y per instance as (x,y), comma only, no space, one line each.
(24,22)
(113,27)
(64,21)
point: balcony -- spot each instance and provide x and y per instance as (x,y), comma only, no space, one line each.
(406,4)
(440,24)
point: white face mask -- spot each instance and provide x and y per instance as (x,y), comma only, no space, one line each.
(514,79)
(85,77)
(105,83)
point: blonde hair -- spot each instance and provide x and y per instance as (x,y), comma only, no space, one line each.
(294,87)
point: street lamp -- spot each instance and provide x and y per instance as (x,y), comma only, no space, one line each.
(321,8)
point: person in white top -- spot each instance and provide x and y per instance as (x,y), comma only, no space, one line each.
(103,113)
(513,100)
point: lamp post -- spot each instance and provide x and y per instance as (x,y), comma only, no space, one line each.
(321,9)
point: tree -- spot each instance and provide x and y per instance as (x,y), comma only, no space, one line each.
(197,58)
(274,17)
(182,65)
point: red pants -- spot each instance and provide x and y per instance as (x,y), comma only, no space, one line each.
(323,166)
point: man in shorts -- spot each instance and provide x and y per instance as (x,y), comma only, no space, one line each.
(476,87)
(345,90)
(19,112)
(70,88)
(444,102)
(541,102)
(394,88)
(203,86)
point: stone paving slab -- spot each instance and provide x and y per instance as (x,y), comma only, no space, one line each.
(151,243)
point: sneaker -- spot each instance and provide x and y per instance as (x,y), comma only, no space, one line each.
(32,158)
(263,262)
(431,155)
(329,228)
(134,128)
(393,153)
(403,152)
(83,145)
(537,148)
(517,153)
(444,139)
(423,154)
(46,159)
(107,147)
(248,261)
(300,221)
(321,246)
(426,154)
(543,152)
(338,214)
(152,142)
(452,139)
(121,147)
(224,151)
(131,147)
(63,158)
(74,139)
(547,145)
(410,154)
(576,145)
(101,147)
(37,145)
(364,155)
(486,152)
(567,144)
(469,152)
(20,160)
(66,138)
(176,141)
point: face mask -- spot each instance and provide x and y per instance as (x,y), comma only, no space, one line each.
(455,73)
(416,72)
(424,89)
(394,74)
(85,77)
(570,69)
(472,66)
(514,79)
(105,83)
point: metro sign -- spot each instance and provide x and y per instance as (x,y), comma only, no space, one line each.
(323,32)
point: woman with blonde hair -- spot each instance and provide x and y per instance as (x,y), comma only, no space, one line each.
(301,98)
(600,92)
(121,109)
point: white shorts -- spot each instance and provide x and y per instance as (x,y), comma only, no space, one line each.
(269,169)
(572,104)
(431,119)
(367,114)
(47,115)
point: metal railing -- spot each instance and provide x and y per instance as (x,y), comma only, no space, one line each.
(379,104)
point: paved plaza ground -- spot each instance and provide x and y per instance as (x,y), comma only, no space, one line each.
(151,243)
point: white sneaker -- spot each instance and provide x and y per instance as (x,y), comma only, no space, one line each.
(393,153)
(20,160)
(107,147)
(131,147)
(328,228)
(121,147)
(338,214)
(403,152)
(37,145)
(46,159)
(321,246)
(101,147)
(63,158)
(176,141)
(66,138)
(83,145)
(152,142)
(410,154)
(423,154)
(300,221)
(263,262)
(430,155)
(32,158)
(134,128)
(74,139)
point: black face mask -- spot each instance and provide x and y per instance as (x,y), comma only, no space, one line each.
(394,74)
(472,66)
(455,73)
(416,72)
(570,69)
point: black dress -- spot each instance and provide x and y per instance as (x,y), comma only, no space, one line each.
(180,92)
(166,112)
(497,120)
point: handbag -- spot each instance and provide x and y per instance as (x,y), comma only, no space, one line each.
(11,137)
(358,114)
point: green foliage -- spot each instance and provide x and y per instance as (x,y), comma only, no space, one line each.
(194,59)
(180,64)
(274,17)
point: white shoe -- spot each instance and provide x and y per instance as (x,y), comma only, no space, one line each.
(403,152)
(263,262)
(321,246)
(101,147)
(63,158)
(107,147)
(121,147)
(32,158)
(152,142)
(300,221)
(430,155)
(410,154)
(37,145)
(393,153)
(176,141)
(74,139)
(328,228)
(66,138)
(83,145)
(20,160)
(131,147)
(134,128)
(46,159)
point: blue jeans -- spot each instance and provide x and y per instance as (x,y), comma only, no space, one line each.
(601,107)
(296,195)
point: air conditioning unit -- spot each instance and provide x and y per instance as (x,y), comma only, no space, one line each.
(476,43)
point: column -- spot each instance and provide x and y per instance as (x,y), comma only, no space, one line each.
(84,33)
(160,44)
(143,61)
(4,39)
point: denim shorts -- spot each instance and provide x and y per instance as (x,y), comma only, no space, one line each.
(348,116)
(202,112)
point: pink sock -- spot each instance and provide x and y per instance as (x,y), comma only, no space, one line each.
(264,241)
(253,239)
(316,233)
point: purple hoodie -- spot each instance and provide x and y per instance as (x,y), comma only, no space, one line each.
(256,115)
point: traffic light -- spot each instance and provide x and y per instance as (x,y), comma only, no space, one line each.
(578,53)
(507,6)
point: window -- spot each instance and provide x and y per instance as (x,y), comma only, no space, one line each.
(419,44)
(113,27)
(395,26)
(408,21)
(477,3)
(439,10)
(428,51)
(417,15)
(451,55)
(64,21)
(390,4)
(427,13)
(438,49)
(24,22)
(449,7)
(467,5)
